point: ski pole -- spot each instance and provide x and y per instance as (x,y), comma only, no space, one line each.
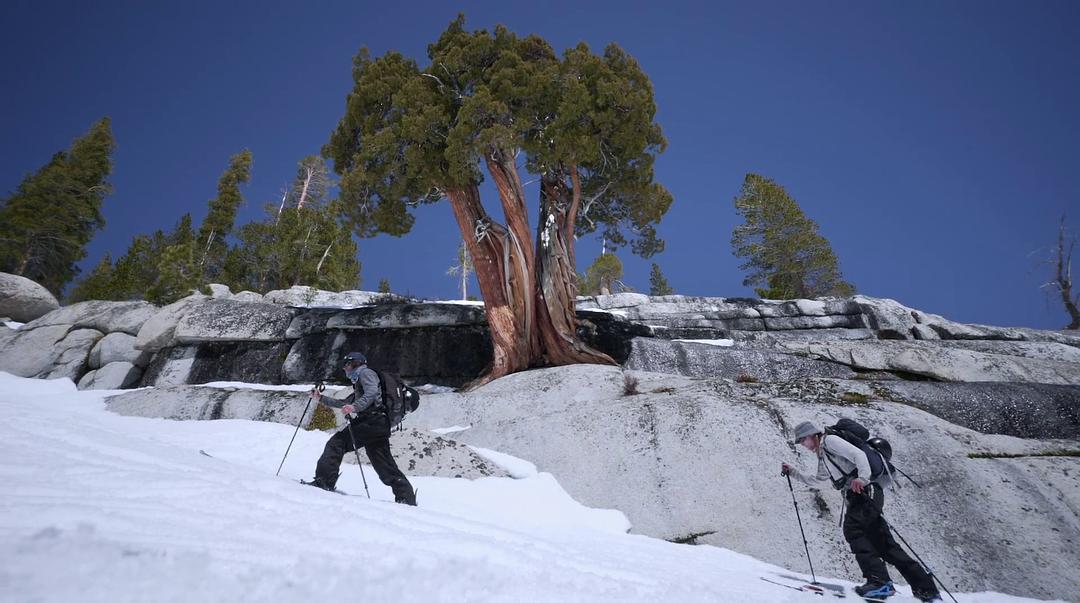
(799,517)
(917,484)
(358,463)
(319,387)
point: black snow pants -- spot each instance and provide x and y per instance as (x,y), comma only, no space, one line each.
(372,432)
(873,544)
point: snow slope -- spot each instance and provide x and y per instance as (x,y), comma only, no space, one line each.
(100,507)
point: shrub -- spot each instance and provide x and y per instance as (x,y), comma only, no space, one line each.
(322,419)
(854,398)
(746,378)
(630,385)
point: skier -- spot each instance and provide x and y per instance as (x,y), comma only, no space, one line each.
(370,427)
(847,467)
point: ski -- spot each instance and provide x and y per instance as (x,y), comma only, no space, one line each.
(335,491)
(806,587)
(826,585)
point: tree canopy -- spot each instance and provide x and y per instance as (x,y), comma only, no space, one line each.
(52,215)
(784,254)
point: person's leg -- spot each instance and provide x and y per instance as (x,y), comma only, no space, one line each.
(858,525)
(329,465)
(382,461)
(892,553)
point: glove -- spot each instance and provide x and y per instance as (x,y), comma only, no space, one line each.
(786,469)
(857,485)
(348,409)
(316,396)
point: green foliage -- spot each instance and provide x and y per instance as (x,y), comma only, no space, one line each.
(97,285)
(384,285)
(322,419)
(785,255)
(221,216)
(602,275)
(300,242)
(409,133)
(658,284)
(46,224)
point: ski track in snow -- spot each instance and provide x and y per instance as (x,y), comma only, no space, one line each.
(100,507)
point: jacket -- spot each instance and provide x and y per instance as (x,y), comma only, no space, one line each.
(839,462)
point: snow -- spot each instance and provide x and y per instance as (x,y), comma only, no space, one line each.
(724,343)
(452,429)
(11,324)
(517,468)
(102,507)
(457,302)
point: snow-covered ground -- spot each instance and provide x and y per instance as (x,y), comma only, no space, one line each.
(100,507)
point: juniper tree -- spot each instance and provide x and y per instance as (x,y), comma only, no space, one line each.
(658,283)
(47,222)
(784,254)
(1060,259)
(581,123)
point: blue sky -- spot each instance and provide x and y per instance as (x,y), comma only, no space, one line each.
(934,143)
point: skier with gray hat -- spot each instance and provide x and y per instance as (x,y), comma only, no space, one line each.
(846,466)
(369,427)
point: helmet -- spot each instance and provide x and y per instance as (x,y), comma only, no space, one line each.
(355,358)
(882,446)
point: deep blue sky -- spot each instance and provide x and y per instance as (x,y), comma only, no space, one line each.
(934,143)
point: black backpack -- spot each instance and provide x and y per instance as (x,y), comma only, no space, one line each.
(877,450)
(398,399)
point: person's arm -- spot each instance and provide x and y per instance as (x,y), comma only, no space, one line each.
(368,391)
(839,447)
(813,480)
(335,402)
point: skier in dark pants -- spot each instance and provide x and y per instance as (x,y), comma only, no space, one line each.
(847,467)
(370,428)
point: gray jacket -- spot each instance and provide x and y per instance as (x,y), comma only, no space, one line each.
(365,392)
(837,460)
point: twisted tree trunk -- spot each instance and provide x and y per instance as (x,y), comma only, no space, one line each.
(557,272)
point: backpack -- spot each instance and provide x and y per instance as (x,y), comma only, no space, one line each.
(877,450)
(398,399)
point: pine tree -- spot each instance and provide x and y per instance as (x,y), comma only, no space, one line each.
(463,268)
(221,217)
(46,224)
(785,255)
(602,275)
(99,284)
(658,284)
(177,272)
(384,285)
(300,242)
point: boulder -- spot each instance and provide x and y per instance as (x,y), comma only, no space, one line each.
(939,362)
(159,331)
(220,320)
(1025,410)
(48,352)
(247,361)
(218,291)
(104,316)
(406,316)
(891,319)
(23,300)
(117,347)
(115,375)
(700,458)
(696,359)
(248,296)
(308,297)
